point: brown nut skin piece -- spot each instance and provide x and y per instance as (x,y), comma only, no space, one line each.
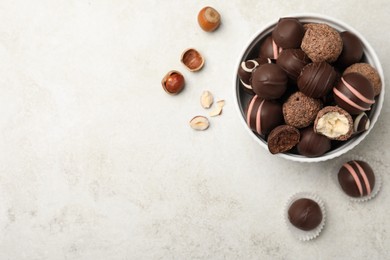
(209,19)
(173,82)
(282,139)
(192,59)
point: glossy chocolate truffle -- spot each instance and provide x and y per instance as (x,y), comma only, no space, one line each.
(263,115)
(245,71)
(361,123)
(292,62)
(369,72)
(316,79)
(334,123)
(269,49)
(312,144)
(300,110)
(305,214)
(288,33)
(269,81)
(354,93)
(321,42)
(282,138)
(356,178)
(352,50)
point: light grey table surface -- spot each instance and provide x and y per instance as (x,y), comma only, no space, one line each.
(98,162)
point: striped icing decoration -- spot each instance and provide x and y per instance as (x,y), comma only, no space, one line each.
(364,175)
(258,118)
(357,93)
(276,49)
(349,101)
(246,85)
(246,69)
(355,177)
(250,108)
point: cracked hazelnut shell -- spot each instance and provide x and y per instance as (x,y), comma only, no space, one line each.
(173,82)
(192,59)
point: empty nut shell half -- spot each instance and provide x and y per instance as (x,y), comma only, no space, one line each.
(199,123)
(173,82)
(192,59)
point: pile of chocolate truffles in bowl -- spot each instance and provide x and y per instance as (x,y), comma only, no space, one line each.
(308,87)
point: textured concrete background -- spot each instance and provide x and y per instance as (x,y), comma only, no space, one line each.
(98,162)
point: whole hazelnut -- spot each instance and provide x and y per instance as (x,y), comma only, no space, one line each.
(209,19)
(173,82)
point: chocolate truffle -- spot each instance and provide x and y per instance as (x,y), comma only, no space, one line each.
(354,93)
(282,138)
(316,79)
(288,33)
(269,81)
(245,71)
(269,49)
(300,110)
(352,50)
(361,123)
(305,214)
(369,72)
(292,62)
(263,115)
(321,42)
(356,178)
(312,144)
(334,123)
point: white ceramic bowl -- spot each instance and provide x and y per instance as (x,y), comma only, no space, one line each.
(241,98)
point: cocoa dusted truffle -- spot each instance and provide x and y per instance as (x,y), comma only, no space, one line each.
(282,138)
(288,33)
(245,71)
(312,144)
(352,50)
(369,72)
(321,42)
(334,123)
(263,115)
(316,79)
(269,49)
(305,214)
(300,110)
(354,93)
(269,81)
(292,62)
(356,178)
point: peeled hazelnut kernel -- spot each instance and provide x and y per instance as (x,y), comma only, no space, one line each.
(199,123)
(173,82)
(206,100)
(209,19)
(192,59)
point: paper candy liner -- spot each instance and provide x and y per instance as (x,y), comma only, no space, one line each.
(302,234)
(375,167)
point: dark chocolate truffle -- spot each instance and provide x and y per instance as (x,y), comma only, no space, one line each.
(269,49)
(300,110)
(352,50)
(282,138)
(316,79)
(269,81)
(369,72)
(354,93)
(288,33)
(263,115)
(334,123)
(305,214)
(312,144)
(245,71)
(356,178)
(292,62)
(361,123)
(321,42)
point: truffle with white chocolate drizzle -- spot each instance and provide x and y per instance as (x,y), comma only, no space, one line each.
(245,71)
(361,123)
(334,123)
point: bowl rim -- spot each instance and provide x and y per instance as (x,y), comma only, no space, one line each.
(373,61)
